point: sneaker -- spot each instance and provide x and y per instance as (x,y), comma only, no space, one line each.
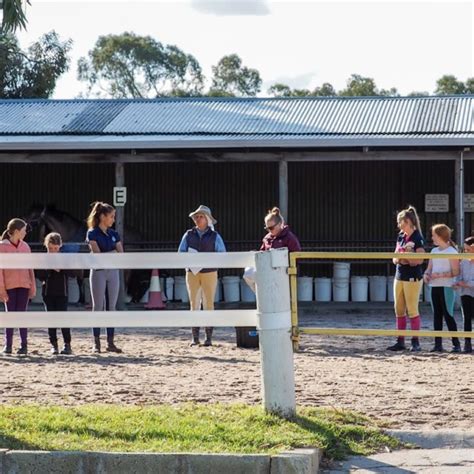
(207,343)
(194,342)
(7,350)
(398,346)
(54,349)
(23,350)
(456,349)
(66,350)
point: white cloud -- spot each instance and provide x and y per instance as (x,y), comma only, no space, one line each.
(231,7)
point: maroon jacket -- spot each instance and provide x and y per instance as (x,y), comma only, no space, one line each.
(285,238)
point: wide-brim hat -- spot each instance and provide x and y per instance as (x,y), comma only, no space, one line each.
(203,210)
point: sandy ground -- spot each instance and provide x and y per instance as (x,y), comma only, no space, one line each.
(418,391)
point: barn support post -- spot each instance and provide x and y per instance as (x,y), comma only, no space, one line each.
(459,198)
(119,227)
(283,187)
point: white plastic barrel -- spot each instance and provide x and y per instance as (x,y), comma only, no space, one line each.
(180,290)
(359,288)
(390,281)
(322,289)
(73,291)
(247,295)
(340,289)
(378,288)
(218,294)
(341,270)
(231,288)
(305,289)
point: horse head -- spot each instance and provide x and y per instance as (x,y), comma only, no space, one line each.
(70,228)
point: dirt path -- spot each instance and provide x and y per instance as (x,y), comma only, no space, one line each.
(411,390)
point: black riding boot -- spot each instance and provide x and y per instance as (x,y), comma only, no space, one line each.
(96,346)
(208,340)
(111,347)
(195,339)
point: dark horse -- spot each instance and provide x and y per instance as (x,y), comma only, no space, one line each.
(73,232)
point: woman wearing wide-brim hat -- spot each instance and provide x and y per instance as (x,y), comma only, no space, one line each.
(201,282)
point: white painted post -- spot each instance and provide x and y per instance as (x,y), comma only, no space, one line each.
(274,326)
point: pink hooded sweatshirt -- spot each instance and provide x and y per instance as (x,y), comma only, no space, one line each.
(10,278)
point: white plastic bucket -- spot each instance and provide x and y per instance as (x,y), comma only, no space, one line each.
(378,288)
(322,289)
(359,288)
(73,291)
(305,289)
(167,292)
(341,270)
(340,289)
(390,281)
(218,295)
(180,290)
(427,293)
(247,295)
(231,288)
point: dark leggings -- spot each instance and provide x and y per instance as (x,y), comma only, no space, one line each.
(57,303)
(467,303)
(442,298)
(17,301)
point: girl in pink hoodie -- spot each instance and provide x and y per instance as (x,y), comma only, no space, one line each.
(16,286)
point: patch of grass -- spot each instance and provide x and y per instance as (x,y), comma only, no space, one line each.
(187,428)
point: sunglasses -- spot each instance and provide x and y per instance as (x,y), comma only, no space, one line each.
(270,227)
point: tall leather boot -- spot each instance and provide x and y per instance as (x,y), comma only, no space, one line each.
(111,347)
(96,346)
(195,337)
(208,340)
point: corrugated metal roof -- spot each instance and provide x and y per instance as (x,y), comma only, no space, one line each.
(250,119)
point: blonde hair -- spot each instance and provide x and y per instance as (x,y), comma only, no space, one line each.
(444,232)
(275,215)
(410,214)
(53,238)
(99,208)
(14,224)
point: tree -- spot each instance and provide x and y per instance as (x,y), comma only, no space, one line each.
(448,84)
(365,86)
(470,86)
(231,78)
(14,16)
(132,66)
(34,73)
(282,90)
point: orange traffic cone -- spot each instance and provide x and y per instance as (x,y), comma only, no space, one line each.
(154,293)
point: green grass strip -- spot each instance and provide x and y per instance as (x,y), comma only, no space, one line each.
(199,428)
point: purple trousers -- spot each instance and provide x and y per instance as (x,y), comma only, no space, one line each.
(17,301)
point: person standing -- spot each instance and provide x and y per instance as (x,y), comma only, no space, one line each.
(16,286)
(441,276)
(55,292)
(408,277)
(465,285)
(101,238)
(201,283)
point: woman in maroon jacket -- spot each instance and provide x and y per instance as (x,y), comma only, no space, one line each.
(279,234)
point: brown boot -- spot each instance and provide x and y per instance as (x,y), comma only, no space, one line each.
(195,339)
(111,347)
(96,346)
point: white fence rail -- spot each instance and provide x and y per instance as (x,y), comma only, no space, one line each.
(272,317)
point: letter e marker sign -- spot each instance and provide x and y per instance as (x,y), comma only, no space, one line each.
(120,196)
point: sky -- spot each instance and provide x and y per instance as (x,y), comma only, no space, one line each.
(402,44)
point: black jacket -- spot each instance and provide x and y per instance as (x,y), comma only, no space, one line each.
(55,283)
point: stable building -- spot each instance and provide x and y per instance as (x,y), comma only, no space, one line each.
(338,167)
